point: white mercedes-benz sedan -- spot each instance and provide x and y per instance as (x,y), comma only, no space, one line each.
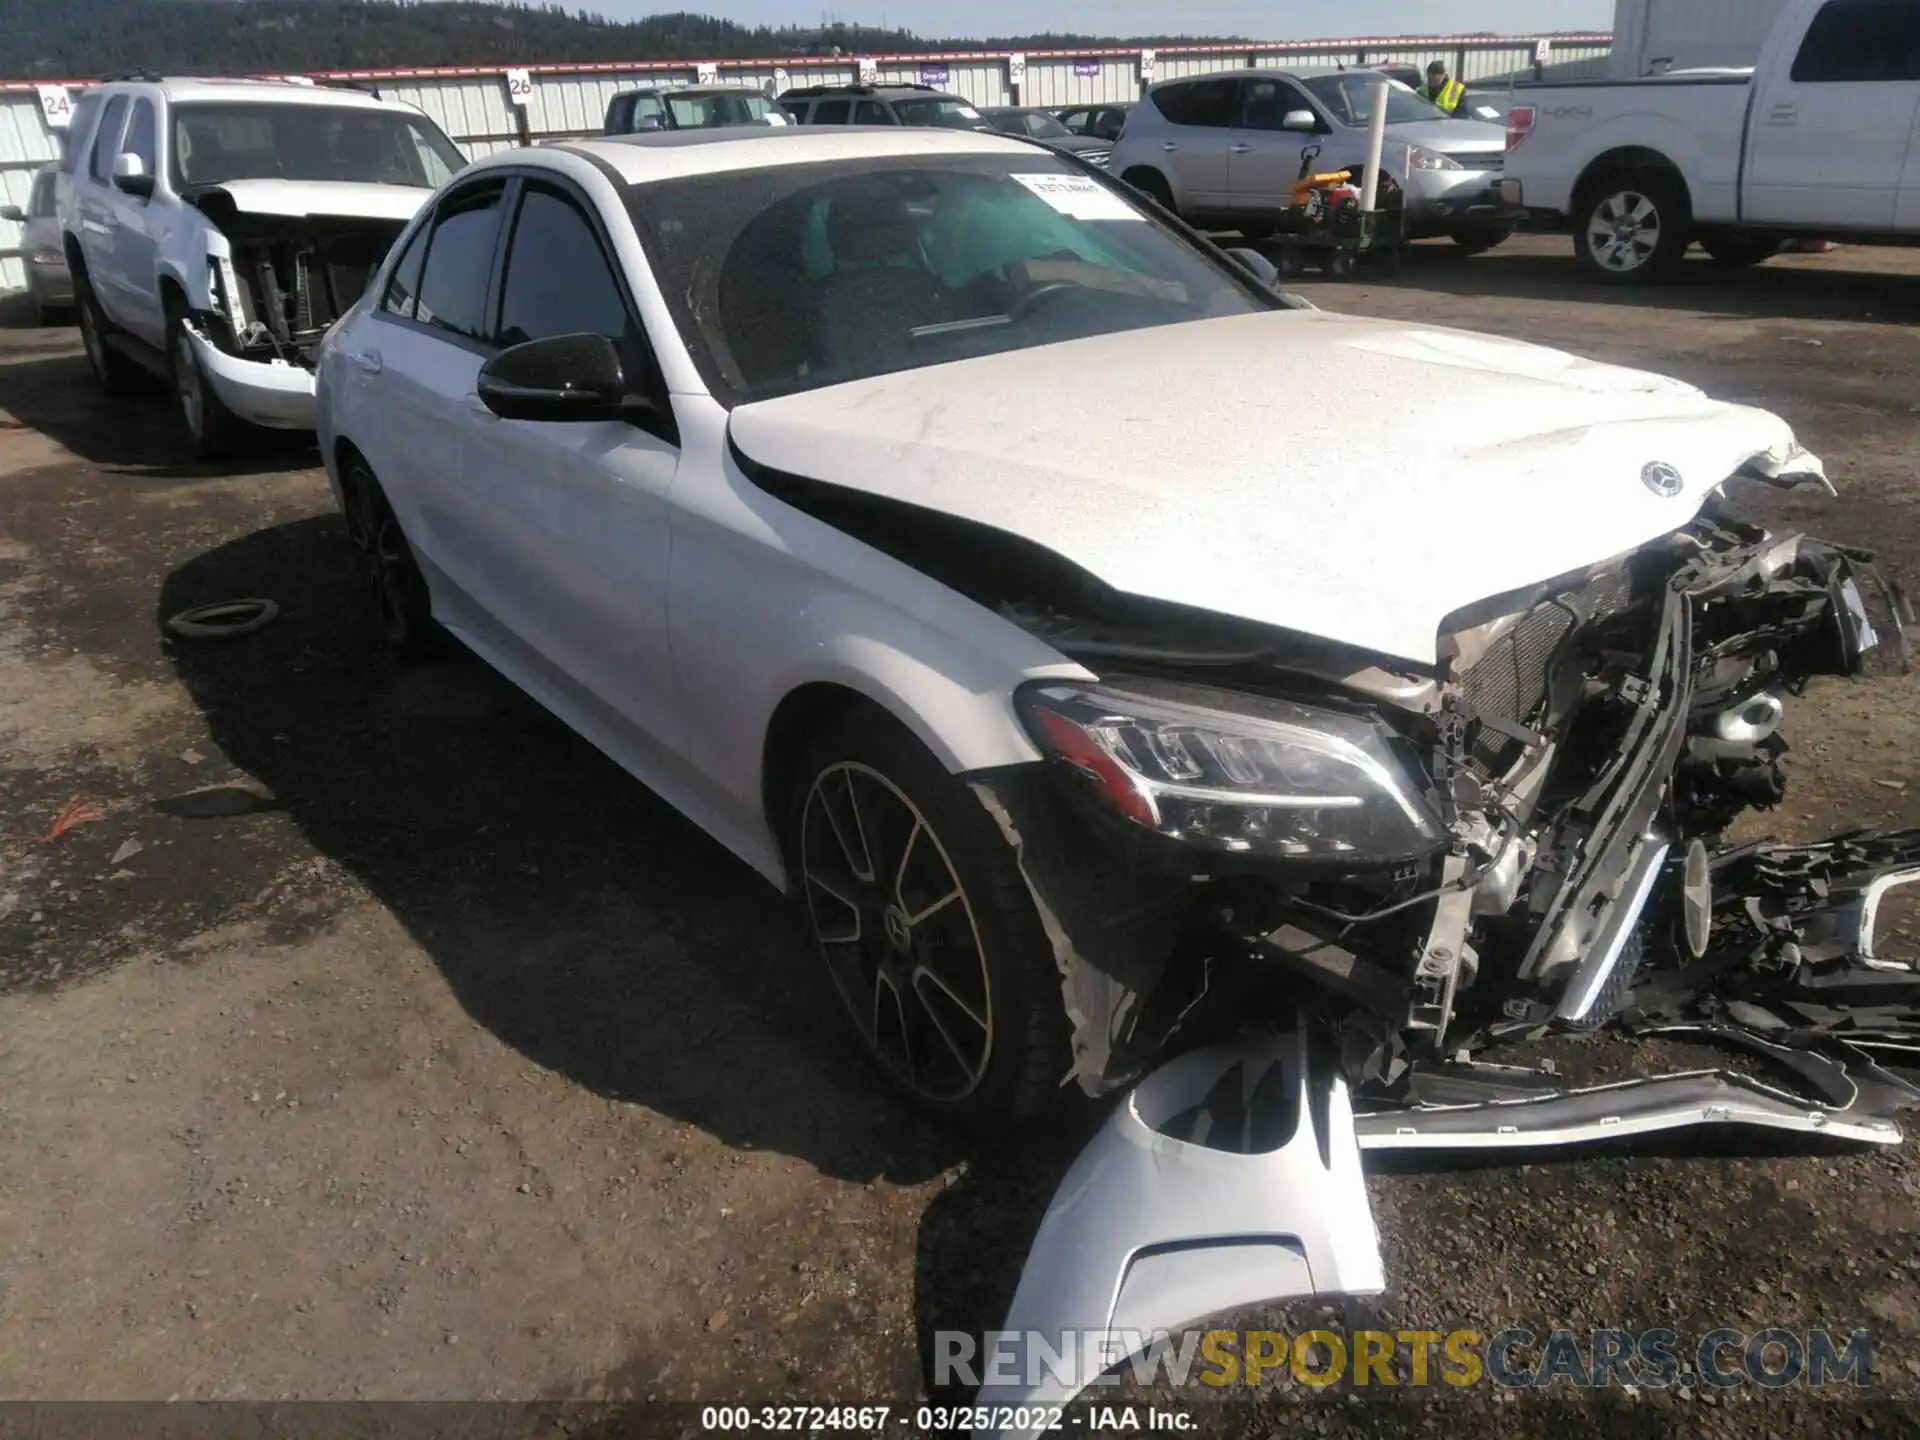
(1097,643)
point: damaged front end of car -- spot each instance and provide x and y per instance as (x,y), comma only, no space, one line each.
(1420,867)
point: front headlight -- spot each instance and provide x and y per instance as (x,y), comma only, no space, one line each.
(1430,159)
(1236,772)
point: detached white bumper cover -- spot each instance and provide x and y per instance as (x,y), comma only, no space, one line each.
(1229,1178)
(275,396)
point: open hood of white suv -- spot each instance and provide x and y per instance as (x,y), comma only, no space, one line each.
(301,198)
(1356,480)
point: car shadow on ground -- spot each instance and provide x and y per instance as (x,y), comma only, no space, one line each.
(574,915)
(139,435)
(1789,288)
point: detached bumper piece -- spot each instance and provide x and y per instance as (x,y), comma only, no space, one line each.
(1229,1177)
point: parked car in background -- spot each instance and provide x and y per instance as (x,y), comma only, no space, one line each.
(49,283)
(217,228)
(919,105)
(1103,122)
(1041,126)
(1224,151)
(1816,143)
(690,107)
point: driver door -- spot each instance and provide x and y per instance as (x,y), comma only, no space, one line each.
(1264,159)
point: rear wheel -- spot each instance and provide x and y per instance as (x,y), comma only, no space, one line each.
(390,577)
(1633,227)
(1153,185)
(925,927)
(1740,251)
(114,372)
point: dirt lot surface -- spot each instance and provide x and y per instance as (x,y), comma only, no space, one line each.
(366,1035)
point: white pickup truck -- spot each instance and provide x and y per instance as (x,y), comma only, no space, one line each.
(1818,140)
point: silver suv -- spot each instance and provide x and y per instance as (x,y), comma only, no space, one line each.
(1223,151)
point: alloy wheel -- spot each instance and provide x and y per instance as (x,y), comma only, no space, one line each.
(388,559)
(1625,231)
(90,338)
(897,932)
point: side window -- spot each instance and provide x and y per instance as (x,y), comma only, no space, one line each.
(83,112)
(800,110)
(620,115)
(1267,102)
(1076,121)
(558,280)
(106,140)
(403,286)
(40,202)
(648,113)
(140,136)
(871,112)
(1861,40)
(832,112)
(453,283)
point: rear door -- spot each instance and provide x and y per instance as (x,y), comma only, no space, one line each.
(417,372)
(94,192)
(1196,148)
(1265,159)
(1833,120)
(575,519)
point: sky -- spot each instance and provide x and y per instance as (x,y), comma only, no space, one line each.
(1257,19)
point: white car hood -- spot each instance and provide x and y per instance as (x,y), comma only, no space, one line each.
(1357,480)
(324,197)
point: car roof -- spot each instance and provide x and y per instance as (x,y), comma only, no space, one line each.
(692,90)
(189,89)
(677,154)
(809,92)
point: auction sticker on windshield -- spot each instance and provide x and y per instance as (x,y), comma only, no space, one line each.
(1080,197)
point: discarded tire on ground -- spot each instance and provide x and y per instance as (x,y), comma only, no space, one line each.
(227,620)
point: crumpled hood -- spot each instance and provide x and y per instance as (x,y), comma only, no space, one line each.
(298,198)
(1357,480)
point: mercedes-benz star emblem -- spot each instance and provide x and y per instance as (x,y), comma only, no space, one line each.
(1662,479)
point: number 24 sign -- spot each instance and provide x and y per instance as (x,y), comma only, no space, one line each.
(56,105)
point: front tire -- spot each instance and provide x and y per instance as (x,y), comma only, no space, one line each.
(1153,185)
(213,430)
(1633,227)
(925,928)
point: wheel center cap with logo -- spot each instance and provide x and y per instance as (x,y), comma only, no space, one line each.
(1662,479)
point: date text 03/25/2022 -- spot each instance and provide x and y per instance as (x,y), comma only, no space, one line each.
(943,1419)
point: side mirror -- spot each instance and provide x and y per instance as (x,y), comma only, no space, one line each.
(13,213)
(130,175)
(1257,265)
(1303,120)
(563,378)
(646,124)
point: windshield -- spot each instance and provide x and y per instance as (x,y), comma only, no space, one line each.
(943,111)
(1031,122)
(794,277)
(216,143)
(707,112)
(1350,98)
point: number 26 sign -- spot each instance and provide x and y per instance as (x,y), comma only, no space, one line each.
(519,86)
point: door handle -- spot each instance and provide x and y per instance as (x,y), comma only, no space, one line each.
(1784,115)
(367,360)
(478,408)
(1169,147)
(1241,148)
(94,227)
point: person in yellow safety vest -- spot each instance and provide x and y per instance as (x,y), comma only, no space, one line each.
(1442,89)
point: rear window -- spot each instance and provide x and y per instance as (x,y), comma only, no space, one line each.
(1861,40)
(1212,103)
(941,111)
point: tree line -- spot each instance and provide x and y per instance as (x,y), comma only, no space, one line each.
(85,38)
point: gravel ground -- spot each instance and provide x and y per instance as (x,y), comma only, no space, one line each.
(367,1036)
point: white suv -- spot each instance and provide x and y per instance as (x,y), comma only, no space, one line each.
(216,228)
